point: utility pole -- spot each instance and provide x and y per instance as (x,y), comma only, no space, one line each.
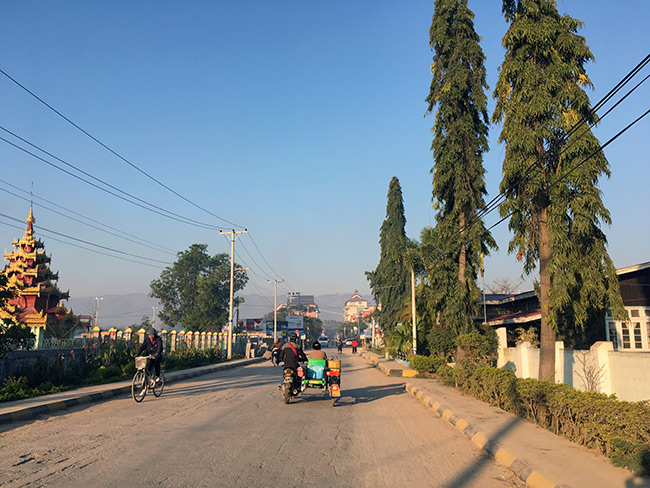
(239,271)
(415,320)
(97,299)
(483,278)
(275,307)
(233,236)
(153,320)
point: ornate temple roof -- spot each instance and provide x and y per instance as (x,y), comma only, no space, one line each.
(28,273)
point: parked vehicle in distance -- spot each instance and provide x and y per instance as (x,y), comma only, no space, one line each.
(324,341)
(348,342)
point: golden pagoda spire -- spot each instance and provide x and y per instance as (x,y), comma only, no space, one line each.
(30,221)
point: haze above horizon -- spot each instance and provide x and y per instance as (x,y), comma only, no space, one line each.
(286,119)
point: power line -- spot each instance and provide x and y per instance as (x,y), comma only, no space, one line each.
(88,248)
(90,243)
(115,153)
(154,208)
(135,240)
(600,148)
(532,169)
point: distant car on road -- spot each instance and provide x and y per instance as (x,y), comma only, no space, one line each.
(324,341)
(348,342)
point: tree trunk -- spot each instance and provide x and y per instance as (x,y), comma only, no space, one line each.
(547,333)
(462,258)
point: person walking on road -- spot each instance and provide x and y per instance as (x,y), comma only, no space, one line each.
(355,344)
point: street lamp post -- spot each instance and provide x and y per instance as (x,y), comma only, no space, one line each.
(233,237)
(97,299)
(275,308)
(153,320)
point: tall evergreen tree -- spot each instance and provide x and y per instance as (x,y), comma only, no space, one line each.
(550,187)
(389,282)
(459,140)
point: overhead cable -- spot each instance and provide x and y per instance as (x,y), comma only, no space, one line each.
(115,153)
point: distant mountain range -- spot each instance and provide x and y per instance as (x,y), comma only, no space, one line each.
(123,311)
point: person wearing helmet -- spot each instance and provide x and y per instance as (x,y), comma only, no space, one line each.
(152,346)
(292,354)
(317,353)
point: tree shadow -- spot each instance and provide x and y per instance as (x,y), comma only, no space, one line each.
(489,450)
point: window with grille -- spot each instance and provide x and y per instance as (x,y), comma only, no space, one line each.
(638,342)
(613,337)
(634,313)
(626,336)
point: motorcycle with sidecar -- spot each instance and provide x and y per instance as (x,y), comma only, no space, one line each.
(320,376)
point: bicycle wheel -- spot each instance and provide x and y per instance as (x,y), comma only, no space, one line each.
(138,386)
(158,387)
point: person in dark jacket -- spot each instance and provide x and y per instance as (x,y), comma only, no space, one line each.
(152,346)
(291,354)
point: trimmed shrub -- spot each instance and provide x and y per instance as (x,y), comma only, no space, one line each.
(620,430)
(477,349)
(425,364)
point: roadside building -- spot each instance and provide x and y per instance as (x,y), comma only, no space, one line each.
(512,311)
(633,335)
(357,307)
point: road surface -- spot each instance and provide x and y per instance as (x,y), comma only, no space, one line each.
(231,428)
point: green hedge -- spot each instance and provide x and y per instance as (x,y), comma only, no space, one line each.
(109,365)
(428,364)
(620,430)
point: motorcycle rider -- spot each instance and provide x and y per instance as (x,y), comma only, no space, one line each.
(291,354)
(317,353)
(275,352)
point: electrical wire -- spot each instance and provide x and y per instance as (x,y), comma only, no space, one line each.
(121,258)
(533,169)
(115,153)
(145,205)
(135,240)
(88,242)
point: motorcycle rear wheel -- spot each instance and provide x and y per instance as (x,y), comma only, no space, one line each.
(286,393)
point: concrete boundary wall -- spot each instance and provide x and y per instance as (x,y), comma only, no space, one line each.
(599,369)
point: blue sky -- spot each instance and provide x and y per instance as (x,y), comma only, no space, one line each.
(287,118)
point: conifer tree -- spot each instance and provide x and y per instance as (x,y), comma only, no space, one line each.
(459,139)
(549,184)
(389,282)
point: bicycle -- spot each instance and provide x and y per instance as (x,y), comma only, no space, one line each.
(143,379)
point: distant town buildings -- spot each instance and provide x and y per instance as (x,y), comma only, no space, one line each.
(356,307)
(298,304)
(36,301)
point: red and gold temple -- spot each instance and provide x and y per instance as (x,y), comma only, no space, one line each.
(36,300)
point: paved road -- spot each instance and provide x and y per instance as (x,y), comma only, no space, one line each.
(232,429)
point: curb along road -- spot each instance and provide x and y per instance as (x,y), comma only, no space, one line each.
(107,392)
(523,471)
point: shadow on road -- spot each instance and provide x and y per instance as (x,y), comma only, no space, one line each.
(369,394)
(473,471)
(199,386)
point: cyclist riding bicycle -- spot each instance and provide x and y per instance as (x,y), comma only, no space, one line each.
(152,346)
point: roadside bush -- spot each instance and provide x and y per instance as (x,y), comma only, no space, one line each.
(425,364)
(497,387)
(477,349)
(110,364)
(620,430)
(442,341)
